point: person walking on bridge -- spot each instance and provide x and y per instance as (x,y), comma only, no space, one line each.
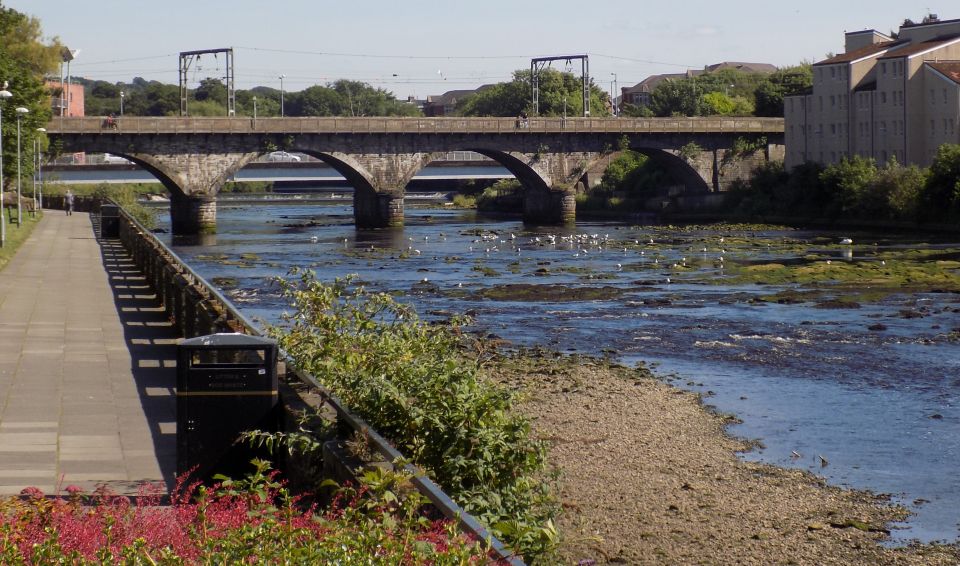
(68,200)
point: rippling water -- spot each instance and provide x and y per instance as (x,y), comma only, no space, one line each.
(880,406)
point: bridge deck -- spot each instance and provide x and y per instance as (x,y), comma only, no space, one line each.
(87,366)
(380,125)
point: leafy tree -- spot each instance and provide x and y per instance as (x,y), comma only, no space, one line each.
(848,181)
(635,110)
(789,81)
(24,60)
(559,92)
(212,90)
(154,99)
(633,173)
(677,98)
(941,195)
(896,193)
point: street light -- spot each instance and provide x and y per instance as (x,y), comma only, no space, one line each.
(281,95)
(121,103)
(20,112)
(38,178)
(4,94)
(254,111)
(613,94)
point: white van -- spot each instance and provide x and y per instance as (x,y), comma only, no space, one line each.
(115,159)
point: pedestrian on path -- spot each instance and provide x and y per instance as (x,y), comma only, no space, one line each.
(69,200)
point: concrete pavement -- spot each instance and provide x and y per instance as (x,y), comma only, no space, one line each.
(87,366)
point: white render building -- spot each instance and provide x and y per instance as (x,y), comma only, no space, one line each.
(884,98)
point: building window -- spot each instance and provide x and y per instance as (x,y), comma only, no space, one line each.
(933,127)
(833,129)
(933,97)
(833,101)
(883,68)
(944,96)
(883,128)
(883,98)
(820,99)
(833,72)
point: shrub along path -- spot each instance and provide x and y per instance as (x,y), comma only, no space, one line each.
(87,365)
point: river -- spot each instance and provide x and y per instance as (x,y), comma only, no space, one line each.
(874,390)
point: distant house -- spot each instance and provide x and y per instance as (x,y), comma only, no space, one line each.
(446,103)
(72,102)
(882,98)
(639,94)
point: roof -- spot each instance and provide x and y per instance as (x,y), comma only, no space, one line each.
(857,54)
(949,69)
(651,82)
(923,46)
(931,20)
(741,66)
(452,96)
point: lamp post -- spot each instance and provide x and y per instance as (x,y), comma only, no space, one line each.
(20,112)
(121,103)
(281,95)
(38,203)
(254,111)
(613,95)
(4,95)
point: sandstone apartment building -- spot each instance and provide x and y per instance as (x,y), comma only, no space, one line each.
(883,98)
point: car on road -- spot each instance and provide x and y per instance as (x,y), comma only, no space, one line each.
(282,156)
(115,159)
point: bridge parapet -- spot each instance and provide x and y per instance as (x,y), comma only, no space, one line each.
(142,125)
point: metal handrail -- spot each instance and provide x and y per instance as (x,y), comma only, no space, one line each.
(148,125)
(450,508)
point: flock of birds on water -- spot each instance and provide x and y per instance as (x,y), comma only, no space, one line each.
(588,245)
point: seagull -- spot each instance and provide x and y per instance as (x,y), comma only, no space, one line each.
(823,461)
(846,241)
(619,267)
(313,239)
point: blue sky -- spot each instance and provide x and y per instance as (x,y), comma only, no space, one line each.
(426,47)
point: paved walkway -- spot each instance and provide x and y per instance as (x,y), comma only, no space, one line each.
(87,366)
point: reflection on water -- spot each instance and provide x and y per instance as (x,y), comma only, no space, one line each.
(880,405)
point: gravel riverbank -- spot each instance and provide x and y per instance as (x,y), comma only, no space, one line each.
(649,476)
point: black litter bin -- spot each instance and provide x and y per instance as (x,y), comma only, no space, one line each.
(109,221)
(226,384)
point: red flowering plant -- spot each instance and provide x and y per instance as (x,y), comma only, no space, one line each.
(253,520)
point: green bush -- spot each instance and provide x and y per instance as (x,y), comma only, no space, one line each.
(848,183)
(504,195)
(940,198)
(412,383)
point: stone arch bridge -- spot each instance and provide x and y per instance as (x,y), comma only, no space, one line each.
(551,157)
